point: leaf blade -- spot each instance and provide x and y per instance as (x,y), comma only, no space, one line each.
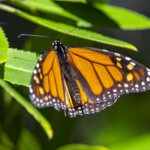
(45,5)
(64,28)
(81,147)
(74,1)
(3,46)
(114,16)
(29,107)
(138,143)
(28,141)
(125,18)
(19,67)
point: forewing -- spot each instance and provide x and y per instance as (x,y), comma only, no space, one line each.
(47,86)
(105,75)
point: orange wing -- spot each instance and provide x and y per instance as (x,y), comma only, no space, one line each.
(103,76)
(47,84)
(90,107)
(100,76)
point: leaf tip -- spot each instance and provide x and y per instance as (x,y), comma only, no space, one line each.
(132,47)
(50,134)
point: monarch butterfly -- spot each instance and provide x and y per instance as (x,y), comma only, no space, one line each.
(84,80)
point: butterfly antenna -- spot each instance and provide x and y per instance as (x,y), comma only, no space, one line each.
(63,35)
(21,35)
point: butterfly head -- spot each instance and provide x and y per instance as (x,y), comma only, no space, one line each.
(56,44)
(59,47)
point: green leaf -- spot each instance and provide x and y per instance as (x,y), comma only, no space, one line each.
(3,47)
(27,141)
(19,67)
(64,28)
(29,107)
(99,1)
(48,6)
(88,16)
(75,1)
(5,142)
(5,147)
(81,147)
(124,18)
(138,143)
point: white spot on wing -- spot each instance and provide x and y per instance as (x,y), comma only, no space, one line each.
(117,54)
(143,83)
(127,58)
(105,50)
(33,96)
(148,79)
(114,90)
(136,85)
(132,63)
(37,65)
(30,89)
(37,99)
(35,71)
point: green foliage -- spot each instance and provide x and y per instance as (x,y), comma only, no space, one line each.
(29,107)
(116,128)
(5,143)
(19,67)
(64,28)
(45,5)
(81,147)
(124,18)
(75,1)
(3,47)
(27,141)
(136,143)
(113,16)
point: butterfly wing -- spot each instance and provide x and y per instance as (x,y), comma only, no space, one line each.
(104,76)
(101,77)
(47,86)
(90,107)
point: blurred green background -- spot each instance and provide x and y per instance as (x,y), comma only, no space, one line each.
(123,126)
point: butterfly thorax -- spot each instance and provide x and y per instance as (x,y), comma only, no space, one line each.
(60,49)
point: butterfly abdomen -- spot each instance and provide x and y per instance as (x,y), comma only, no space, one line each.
(70,81)
(74,91)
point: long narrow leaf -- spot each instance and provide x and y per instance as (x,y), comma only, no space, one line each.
(3,47)
(64,28)
(74,1)
(125,18)
(81,147)
(28,106)
(88,16)
(49,6)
